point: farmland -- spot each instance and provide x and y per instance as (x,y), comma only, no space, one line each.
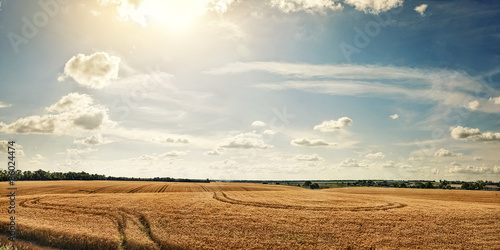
(159,215)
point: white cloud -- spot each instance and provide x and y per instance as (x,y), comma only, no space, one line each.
(269,132)
(72,112)
(421,9)
(445,153)
(332,125)
(4,148)
(245,141)
(447,88)
(415,158)
(496,169)
(96,139)
(94,71)
(313,157)
(258,124)
(175,153)
(163,139)
(166,12)
(224,165)
(469,170)
(495,100)
(4,105)
(211,152)
(465,133)
(76,151)
(477,158)
(37,159)
(455,163)
(378,155)
(473,105)
(144,158)
(305,142)
(394,117)
(389,164)
(310,6)
(374,6)
(351,163)
(72,101)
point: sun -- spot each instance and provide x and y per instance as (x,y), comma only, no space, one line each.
(175,15)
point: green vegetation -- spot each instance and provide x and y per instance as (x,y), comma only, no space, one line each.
(42,175)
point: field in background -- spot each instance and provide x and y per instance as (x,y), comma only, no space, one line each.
(160,215)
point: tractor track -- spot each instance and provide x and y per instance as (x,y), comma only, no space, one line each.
(224,198)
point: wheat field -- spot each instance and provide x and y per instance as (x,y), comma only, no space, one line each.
(161,215)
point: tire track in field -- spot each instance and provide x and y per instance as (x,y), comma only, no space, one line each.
(137,189)
(205,189)
(99,189)
(224,198)
(162,189)
(119,219)
(118,215)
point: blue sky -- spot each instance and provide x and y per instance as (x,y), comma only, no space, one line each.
(265,89)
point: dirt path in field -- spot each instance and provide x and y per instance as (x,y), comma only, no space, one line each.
(225,198)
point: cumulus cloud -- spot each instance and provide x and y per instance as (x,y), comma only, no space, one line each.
(389,164)
(495,100)
(421,9)
(245,141)
(465,133)
(162,139)
(305,142)
(225,164)
(174,153)
(258,124)
(394,117)
(351,163)
(445,153)
(269,132)
(78,151)
(455,163)
(94,71)
(415,158)
(310,6)
(4,148)
(211,152)
(374,6)
(477,158)
(332,125)
(4,105)
(378,155)
(37,159)
(473,105)
(313,157)
(144,158)
(469,170)
(94,140)
(73,111)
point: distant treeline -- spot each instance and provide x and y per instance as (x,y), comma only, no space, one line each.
(42,175)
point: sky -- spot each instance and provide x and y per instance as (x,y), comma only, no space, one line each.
(255,90)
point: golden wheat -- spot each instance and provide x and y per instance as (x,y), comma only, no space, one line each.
(159,215)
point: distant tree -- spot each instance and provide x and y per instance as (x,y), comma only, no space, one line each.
(307,184)
(314,186)
(428,185)
(264,182)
